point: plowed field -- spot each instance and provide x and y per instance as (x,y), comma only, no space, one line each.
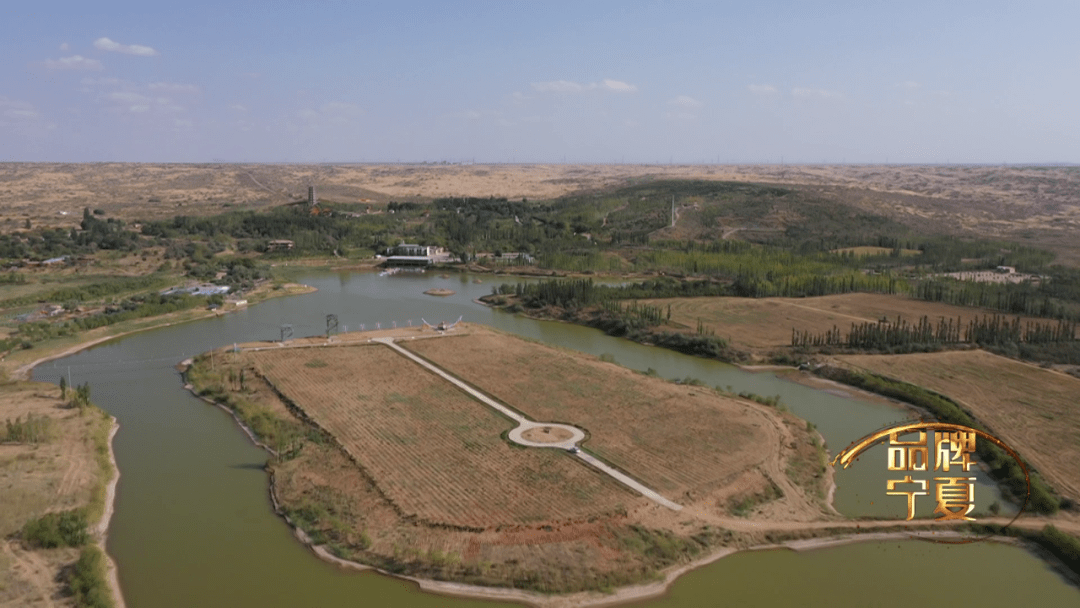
(433,451)
(1034,410)
(679,440)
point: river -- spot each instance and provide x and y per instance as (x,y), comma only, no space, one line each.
(193,524)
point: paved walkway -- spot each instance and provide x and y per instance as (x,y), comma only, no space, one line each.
(525,424)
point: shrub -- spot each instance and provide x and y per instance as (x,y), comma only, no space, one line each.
(87,580)
(58,529)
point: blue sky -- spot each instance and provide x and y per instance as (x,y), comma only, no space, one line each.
(802,81)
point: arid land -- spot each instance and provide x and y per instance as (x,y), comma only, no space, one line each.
(1036,205)
(1034,410)
(356,514)
(319,478)
(418,479)
(69,468)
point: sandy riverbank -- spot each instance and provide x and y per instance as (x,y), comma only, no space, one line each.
(106,517)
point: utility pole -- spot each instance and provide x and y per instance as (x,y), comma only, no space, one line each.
(673,211)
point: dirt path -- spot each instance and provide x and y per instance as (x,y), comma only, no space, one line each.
(604,223)
(259,184)
(831,312)
(29,567)
(525,424)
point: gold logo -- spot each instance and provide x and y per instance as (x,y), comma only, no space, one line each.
(953,447)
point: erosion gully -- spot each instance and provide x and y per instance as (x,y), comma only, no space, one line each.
(194,526)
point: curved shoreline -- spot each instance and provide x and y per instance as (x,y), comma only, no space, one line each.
(25,371)
(624,594)
(631,593)
(112,574)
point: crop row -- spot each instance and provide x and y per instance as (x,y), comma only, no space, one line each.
(433,450)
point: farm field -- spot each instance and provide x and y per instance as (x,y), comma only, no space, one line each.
(420,480)
(1032,409)
(683,441)
(766,323)
(434,452)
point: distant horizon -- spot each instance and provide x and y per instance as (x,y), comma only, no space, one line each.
(548,163)
(989,82)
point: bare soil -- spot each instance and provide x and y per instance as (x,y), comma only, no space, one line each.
(1034,410)
(547,434)
(58,474)
(639,424)
(437,454)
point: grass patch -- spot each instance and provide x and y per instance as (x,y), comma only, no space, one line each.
(99,436)
(742,507)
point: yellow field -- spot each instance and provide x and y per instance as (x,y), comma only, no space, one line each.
(434,452)
(767,322)
(678,440)
(1032,409)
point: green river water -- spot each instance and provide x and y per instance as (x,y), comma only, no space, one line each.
(194,527)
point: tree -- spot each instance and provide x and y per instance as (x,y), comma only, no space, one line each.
(82,395)
(63,387)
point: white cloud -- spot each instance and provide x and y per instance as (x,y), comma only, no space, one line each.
(334,114)
(65,47)
(805,93)
(341,108)
(17,110)
(558,86)
(619,86)
(21,115)
(105,44)
(684,116)
(137,103)
(94,82)
(761,89)
(128,97)
(567,86)
(685,101)
(173,87)
(75,62)
(238,107)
